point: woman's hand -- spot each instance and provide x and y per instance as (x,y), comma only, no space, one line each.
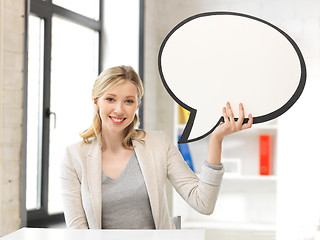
(226,128)
(229,125)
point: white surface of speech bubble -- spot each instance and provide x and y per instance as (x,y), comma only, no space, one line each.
(211,58)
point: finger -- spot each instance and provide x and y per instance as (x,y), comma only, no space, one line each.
(224,114)
(241,116)
(230,112)
(249,123)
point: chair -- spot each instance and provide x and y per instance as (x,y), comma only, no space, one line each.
(176,221)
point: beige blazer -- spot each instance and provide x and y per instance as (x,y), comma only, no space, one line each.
(159,160)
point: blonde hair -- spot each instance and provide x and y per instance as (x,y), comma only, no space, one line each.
(108,79)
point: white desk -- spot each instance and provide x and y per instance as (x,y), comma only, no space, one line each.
(67,234)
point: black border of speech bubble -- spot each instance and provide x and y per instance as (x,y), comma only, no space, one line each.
(186,132)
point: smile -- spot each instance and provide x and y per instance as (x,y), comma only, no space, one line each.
(117,120)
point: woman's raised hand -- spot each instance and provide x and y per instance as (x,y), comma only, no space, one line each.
(229,125)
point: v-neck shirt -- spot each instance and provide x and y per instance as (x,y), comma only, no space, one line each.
(125,200)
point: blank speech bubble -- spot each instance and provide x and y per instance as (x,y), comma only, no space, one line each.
(215,57)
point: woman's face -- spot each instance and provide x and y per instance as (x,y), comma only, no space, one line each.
(117,107)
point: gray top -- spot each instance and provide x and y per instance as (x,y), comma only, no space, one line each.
(125,201)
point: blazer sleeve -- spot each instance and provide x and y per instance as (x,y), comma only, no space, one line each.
(71,194)
(200,193)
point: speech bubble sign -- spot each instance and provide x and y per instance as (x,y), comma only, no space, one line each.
(215,57)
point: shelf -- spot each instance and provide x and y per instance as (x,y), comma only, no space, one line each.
(264,127)
(251,185)
(181,126)
(254,178)
(271,178)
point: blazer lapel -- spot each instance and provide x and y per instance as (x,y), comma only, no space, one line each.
(94,181)
(145,159)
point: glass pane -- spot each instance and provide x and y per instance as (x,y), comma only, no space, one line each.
(34,125)
(88,8)
(74,68)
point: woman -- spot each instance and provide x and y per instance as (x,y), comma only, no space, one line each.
(116,177)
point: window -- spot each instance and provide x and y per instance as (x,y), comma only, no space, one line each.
(64,53)
(34,138)
(63,62)
(88,8)
(74,67)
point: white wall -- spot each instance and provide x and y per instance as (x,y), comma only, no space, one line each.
(120,35)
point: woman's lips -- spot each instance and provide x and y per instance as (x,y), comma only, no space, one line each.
(116,120)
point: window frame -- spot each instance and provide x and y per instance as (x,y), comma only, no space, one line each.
(45,10)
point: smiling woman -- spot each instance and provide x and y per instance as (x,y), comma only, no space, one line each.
(116,177)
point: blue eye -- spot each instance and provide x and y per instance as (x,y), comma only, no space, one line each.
(110,99)
(129,101)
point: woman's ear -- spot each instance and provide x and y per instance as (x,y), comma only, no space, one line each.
(95,101)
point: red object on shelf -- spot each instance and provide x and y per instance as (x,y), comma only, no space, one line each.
(265,154)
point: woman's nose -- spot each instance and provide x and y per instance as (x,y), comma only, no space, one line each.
(118,108)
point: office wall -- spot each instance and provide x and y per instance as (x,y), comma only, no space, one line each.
(11,98)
